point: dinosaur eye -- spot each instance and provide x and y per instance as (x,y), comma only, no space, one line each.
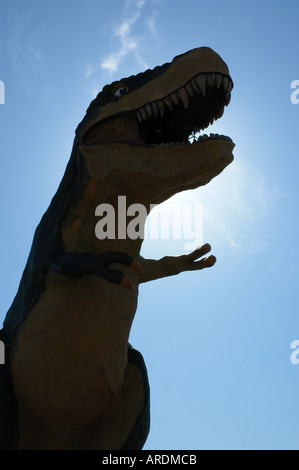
(120,90)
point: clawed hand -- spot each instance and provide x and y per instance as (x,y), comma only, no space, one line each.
(79,265)
(172,265)
(149,270)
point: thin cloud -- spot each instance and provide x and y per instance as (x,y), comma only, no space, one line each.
(89,70)
(24,47)
(138,3)
(151,24)
(127,44)
(127,41)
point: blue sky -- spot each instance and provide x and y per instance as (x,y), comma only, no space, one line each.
(216,342)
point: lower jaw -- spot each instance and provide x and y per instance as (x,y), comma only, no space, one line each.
(193,141)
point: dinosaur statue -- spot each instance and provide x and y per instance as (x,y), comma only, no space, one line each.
(71,379)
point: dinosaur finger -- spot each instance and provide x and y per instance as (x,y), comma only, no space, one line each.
(110,257)
(136,266)
(199,252)
(119,278)
(204,263)
(115,277)
(125,282)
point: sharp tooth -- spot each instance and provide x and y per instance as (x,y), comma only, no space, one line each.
(168,102)
(184,97)
(229,88)
(139,116)
(220,113)
(143,113)
(189,89)
(175,98)
(149,110)
(155,109)
(218,78)
(228,99)
(225,83)
(210,79)
(195,87)
(161,108)
(201,82)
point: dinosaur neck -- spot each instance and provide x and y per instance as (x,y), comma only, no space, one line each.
(103,222)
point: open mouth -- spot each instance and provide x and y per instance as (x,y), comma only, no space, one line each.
(179,117)
(175,119)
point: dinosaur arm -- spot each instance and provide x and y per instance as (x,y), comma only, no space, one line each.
(79,265)
(172,265)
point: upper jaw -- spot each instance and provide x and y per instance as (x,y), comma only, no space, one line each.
(173,119)
(200,72)
(196,86)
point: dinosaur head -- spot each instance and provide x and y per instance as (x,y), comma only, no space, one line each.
(142,125)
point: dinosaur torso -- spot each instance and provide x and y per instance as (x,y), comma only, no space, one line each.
(78,383)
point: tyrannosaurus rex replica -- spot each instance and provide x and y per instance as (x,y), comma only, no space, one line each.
(71,379)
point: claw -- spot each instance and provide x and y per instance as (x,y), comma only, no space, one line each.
(136,266)
(125,282)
